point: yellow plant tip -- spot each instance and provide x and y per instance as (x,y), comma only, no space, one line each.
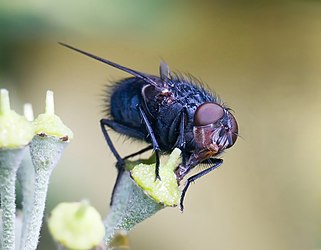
(15,130)
(84,204)
(164,191)
(28,112)
(50,124)
(76,225)
(173,158)
(4,101)
(50,104)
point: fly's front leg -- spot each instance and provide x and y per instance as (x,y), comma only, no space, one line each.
(193,178)
(138,152)
(153,139)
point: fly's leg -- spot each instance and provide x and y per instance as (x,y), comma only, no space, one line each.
(181,138)
(121,168)
(103,123)
(120,165)
(182,170)
(153,139)
(138,152)
(217,163)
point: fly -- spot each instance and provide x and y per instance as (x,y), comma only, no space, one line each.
(168,111)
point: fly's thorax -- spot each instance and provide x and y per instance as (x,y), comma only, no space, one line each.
(156,97)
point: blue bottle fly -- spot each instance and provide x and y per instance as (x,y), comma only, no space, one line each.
(168,111)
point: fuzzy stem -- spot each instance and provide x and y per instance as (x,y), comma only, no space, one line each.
(26,177)
(45,153)
(8,209)
(35,219)
(9,164)
(130,206)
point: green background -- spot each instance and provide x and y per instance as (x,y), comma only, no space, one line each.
(263,58)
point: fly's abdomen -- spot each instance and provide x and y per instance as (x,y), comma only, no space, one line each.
(124,100)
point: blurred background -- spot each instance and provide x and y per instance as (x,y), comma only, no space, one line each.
(263,58)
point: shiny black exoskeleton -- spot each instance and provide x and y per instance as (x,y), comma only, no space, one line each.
(169,111)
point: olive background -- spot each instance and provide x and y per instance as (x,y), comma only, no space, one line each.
(262,58)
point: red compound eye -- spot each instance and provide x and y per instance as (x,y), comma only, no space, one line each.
(234,129)
(208,113)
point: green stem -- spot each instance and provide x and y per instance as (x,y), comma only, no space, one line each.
(130,206)
(35,218)
(8,209)
(26,177)
(9,164)
(45,153)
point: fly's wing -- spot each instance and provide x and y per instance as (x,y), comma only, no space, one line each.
(155,93)
(154,97)
(165,74)
(159,83)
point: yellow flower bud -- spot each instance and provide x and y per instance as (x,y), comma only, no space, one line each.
(15,130)
(76,225)
(50,124)
(164,191)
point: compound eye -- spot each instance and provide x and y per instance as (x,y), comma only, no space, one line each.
(234,129)
(208,113)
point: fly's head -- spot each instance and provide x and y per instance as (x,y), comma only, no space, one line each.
(215,129)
